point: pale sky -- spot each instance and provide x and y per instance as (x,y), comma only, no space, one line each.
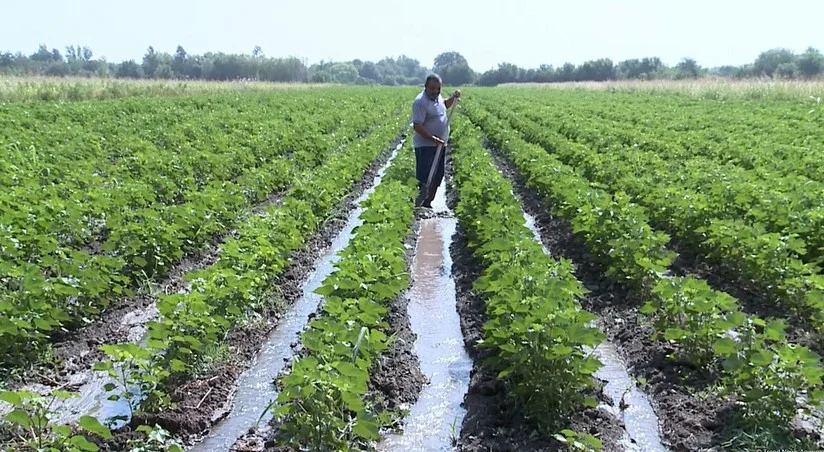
(524,32)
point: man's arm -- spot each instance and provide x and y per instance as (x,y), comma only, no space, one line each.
(425,133)
(451,100)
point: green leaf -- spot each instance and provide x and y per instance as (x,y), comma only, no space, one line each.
(724,346)
(20,417)
(648,308)
(349,370)
(366,427)
(42,324)
(63,430)
(762,358)
(177,366)
(592,441)
(139,261)
(775,330)
(93,425)
(103,365)
(82,443)
(11,397)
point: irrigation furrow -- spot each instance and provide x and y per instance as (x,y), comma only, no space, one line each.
(628,403)
(126,322)
(434,420)
(205,399)
(255,389)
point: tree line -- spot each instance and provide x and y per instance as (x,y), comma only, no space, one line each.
(452,66)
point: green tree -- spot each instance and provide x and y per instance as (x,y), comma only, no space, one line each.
(687,68)
(810,63)
(179,61)
(369,70)
(786,70)
(150,62)
(768,62)
(42,55)
(453,69)
(129,69)
(344,73)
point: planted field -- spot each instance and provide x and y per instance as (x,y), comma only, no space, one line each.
(248,271)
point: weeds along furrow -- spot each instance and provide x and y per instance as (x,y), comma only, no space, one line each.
(184,372)
(535,332)
(767,262)
(50,288)
(329,398)
(705,336)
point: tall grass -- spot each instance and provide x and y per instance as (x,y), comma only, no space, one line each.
(717,88)
(18,89)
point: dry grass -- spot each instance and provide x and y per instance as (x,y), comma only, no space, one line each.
(15,89)
(705,87)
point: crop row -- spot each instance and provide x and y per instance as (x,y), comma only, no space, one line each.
(774,135)
(49,286)
(534,322)
(762,370)
(324,403)
(240,285)
(767,261)
(125,156)
(789,204)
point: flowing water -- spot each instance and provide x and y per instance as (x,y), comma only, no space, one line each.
(435,419)
(255,388)
(629,404)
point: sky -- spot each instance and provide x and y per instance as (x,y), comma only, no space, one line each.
(527,33)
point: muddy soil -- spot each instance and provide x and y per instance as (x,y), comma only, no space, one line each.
(493,423)
(78,350)
(686,422)
(397,379)
(204,400)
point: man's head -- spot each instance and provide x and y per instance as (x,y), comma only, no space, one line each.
(433,85)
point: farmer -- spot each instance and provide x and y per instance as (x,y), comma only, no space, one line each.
(429,121)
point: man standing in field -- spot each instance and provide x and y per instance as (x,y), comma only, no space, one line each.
(429,113)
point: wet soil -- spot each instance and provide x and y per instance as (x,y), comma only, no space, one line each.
(493,422)
(687,422)
(396,380)
(431,422)
(204,400)
(78,350)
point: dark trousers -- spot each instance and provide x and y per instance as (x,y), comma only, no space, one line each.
(424,156)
